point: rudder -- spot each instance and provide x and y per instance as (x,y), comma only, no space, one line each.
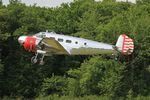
(125,45)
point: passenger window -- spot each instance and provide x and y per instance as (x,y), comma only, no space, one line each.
(60,40)
(76,42)
(68,41)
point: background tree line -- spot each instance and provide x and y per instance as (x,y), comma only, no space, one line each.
(76,76)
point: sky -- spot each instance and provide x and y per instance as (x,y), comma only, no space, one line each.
(52,3)
(42,3)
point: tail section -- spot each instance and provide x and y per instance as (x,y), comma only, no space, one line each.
(125,45)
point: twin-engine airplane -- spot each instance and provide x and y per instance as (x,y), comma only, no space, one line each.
(48,43)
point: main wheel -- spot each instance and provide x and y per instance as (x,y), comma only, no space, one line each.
(33,60)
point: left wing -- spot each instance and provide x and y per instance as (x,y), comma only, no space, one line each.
(51,45)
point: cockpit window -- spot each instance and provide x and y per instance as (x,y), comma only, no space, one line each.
(41,35)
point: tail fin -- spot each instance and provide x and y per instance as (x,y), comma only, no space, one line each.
(125,45)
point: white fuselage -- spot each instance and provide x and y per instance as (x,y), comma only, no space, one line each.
(78,46)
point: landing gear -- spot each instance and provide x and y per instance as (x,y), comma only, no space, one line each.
(41,63)
(35,59)
(41,60)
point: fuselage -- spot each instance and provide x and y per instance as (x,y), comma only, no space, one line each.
(78,46)
(71,45)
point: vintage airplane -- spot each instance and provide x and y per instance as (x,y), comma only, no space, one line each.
(48,43)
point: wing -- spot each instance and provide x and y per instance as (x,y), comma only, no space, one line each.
(53,46)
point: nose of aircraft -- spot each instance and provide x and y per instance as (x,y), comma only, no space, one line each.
(21,39)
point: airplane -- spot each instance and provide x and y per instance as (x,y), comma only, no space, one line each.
(51,43)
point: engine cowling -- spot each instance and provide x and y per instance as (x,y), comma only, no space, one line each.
(30,44)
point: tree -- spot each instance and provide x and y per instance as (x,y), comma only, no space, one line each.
(54,85)
(1,3)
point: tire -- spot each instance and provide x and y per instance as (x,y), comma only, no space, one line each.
(33,60)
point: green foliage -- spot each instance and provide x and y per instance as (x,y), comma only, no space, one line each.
(1,77)
(1,2)
(73,87)
(90,97)
(55,84)
(99,76)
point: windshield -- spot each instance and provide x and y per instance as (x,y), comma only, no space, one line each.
(41,35)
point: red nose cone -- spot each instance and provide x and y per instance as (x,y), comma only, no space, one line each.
(30,44)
